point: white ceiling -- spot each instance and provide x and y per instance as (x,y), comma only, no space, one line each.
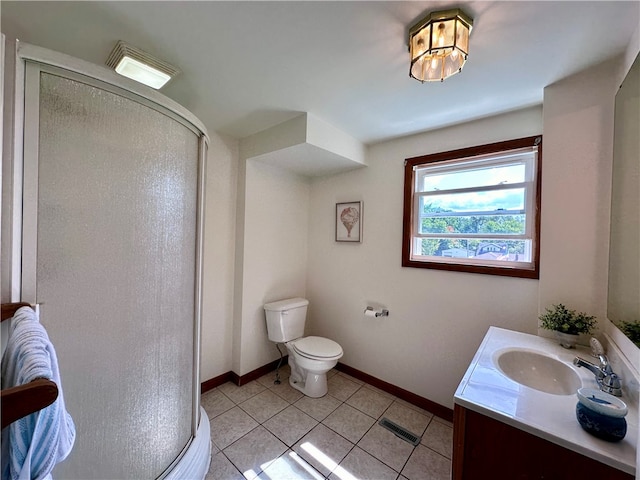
(247,66)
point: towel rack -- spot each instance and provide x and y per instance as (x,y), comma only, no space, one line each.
(20,401)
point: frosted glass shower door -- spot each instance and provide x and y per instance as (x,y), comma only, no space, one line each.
(115,193)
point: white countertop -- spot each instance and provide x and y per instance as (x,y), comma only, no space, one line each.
(486,390)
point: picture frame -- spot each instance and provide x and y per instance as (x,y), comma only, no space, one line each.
(349,222)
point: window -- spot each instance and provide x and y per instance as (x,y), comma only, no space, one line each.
(475,210)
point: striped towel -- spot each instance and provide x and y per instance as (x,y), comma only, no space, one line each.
(33,445)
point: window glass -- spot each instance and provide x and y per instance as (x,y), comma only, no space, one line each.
(475,209)
(496,175)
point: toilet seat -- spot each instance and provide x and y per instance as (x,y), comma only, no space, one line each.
(317,348)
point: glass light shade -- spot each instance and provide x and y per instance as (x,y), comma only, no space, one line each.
(439,45)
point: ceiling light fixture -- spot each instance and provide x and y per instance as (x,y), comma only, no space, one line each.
(439,45)
(140,66)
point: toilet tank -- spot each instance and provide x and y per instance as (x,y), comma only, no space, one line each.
(286,319)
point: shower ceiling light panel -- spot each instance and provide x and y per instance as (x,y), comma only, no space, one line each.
(140,66)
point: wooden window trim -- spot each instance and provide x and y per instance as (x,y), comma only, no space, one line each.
(407,217)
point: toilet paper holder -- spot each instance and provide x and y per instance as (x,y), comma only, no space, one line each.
(378,313)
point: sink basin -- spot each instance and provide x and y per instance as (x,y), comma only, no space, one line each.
(539,371)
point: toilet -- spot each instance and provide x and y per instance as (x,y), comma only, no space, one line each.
(310,358)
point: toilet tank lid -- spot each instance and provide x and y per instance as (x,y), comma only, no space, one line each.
(286,304)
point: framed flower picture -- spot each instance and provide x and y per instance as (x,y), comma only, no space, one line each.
(349,222)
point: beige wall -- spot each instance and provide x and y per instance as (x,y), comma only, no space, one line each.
(437,318)
(576,190)
(274,250)
(218,257)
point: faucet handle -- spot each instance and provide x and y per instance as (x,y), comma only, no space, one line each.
(605,366)
(611,384)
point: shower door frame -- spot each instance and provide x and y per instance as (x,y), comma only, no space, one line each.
(30,62)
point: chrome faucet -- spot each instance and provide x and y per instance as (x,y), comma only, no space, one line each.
(607,380)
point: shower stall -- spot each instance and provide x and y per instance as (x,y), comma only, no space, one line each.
(106,238)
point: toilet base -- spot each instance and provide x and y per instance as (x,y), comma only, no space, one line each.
(309,376)
(314,385)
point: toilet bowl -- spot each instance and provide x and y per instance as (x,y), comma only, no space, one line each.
(310,358)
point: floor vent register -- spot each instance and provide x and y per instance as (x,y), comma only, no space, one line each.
(399,431)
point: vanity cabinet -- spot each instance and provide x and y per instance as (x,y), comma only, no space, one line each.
(484,448)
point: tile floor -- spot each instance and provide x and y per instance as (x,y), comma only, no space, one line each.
(273,432)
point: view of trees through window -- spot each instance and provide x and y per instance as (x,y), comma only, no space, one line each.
(478,224)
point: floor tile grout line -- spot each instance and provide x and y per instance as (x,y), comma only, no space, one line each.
(382,461)
(408,458)
(376,421)
(431,419)
(232,464)
(435,451)
(321,422)
(243,436)
(215,416)
(343,402)
(356,444)
(287,446)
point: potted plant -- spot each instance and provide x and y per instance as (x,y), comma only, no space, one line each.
(567,324)
(631,330)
